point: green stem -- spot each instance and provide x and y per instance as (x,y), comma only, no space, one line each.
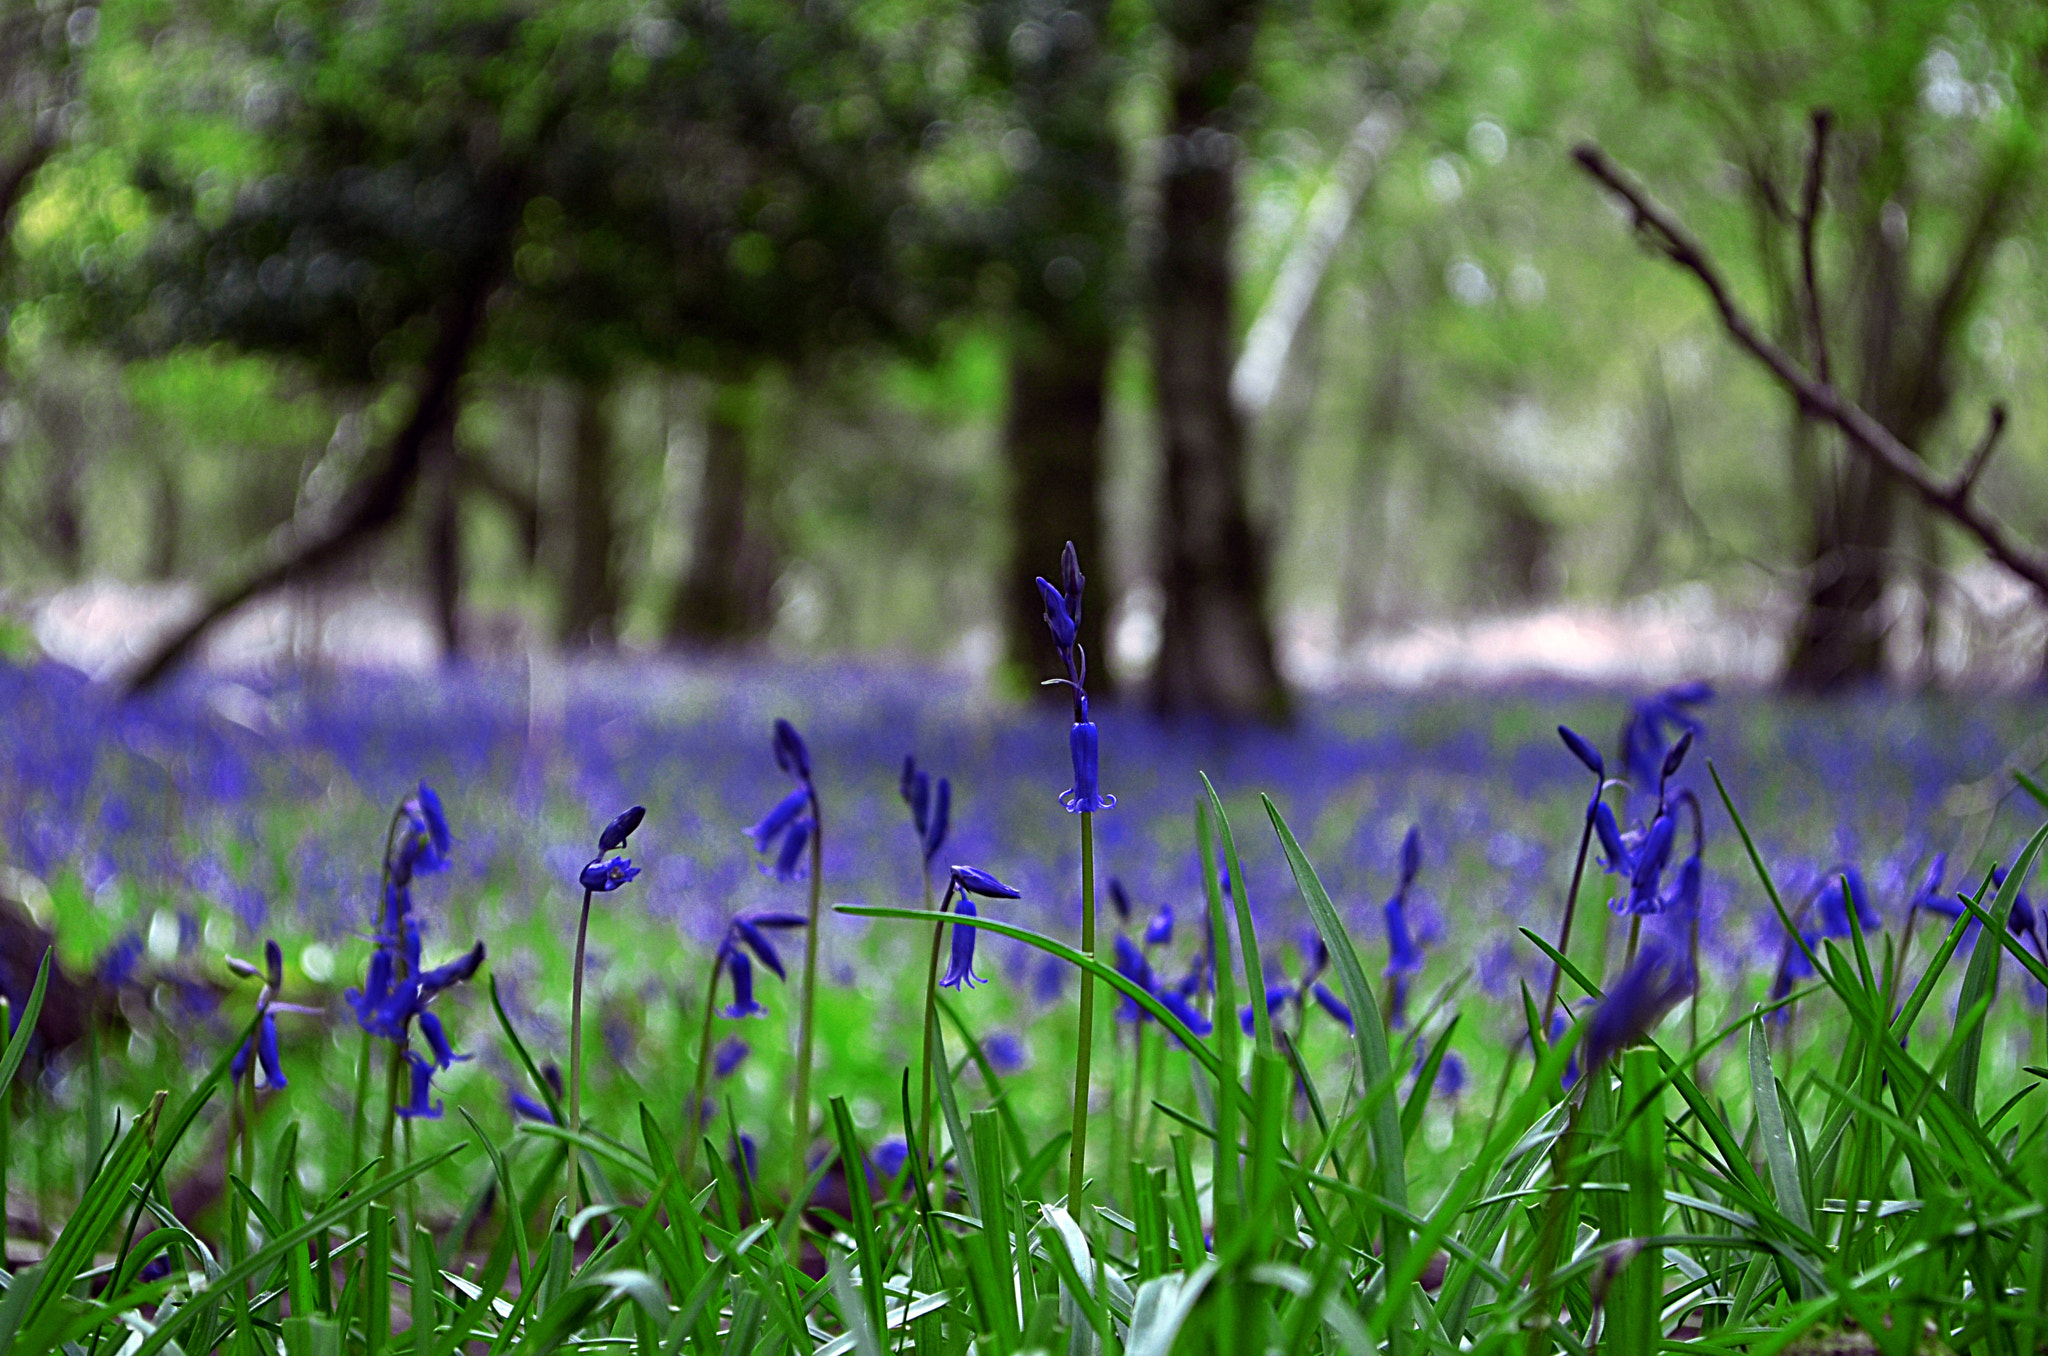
(693,1115)
(931,1018)
(1077,1152)
(576,1062)
(800,1111)
(394,1081)
(359,1120)
(6,1131)
(1564,934)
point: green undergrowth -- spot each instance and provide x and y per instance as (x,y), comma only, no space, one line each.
(1806,1176)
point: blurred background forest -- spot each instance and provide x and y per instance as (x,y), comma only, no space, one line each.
(392,330)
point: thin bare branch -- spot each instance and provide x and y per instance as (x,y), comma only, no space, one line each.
(1864,434)
(1809,219)
(1966,479)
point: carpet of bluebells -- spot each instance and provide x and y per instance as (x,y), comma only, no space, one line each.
(159,836)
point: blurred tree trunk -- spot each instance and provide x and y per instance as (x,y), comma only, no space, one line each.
(1052,440)
(589,610)
(1216,645)
(1900,358)
(444,542)
(1063,224)
(725,593)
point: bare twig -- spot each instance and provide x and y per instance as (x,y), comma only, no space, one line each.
(1809,218)
(1966,479)
(1863,433)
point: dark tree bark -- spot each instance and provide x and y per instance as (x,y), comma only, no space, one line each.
(1052,442)
(444,544)
(724,597)
(1216,650)
(1901,353)
(589,608)
(1065,223)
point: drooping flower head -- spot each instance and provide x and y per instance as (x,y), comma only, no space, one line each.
(263,1045)
(964,883)
(794,817)
(747,939)
(1638,1001)
(620,829)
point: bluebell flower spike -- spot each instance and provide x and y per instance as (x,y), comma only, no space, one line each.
(421,1106)
(758,943)
(620,829)
(1086,795)
(778,820)
(1159,932)
(436,820)
(732,1052)
(1057,619)
(1676,758)
(1330,1003)
(960,965)
(1190,1016)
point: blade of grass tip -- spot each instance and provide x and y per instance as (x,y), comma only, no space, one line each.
(1369,1037)
(1981,978)
(25,1029)
(1225,1187)
(956,1129)
(1247,934)
(508,1193)
(853,1164)
(1828,976)
(2032,788)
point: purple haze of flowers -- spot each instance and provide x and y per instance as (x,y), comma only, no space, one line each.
(890,1156)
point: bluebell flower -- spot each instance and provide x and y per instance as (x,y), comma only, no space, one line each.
(1049,980)
(790,754)
(1159,932)
(265,1043)
(1411,856)
(1647,873)
(458,971)
(1191,1017)
(1637,1001)
(746,1159)
(731,1053)
(1832,905)
(787,821)
(1620,858)
(620,829)
(931,807)
(1130,962)
(1119,900)
(526,1108)
(1404,957)
(1450,1076)
(1058,619)
(420,1106)
(437,1041)
(262,1046)
(1583,751)
(1085,795)
(751,929)
(603,877)
(742,971)
(1330,1003)
(1277,996)
(971,880)
(960,967)
(1004,1051)
(890,1156)
(435,821)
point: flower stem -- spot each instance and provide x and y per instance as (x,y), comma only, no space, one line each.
(693,1115)
(1077,1152)
(394,1083)
(931,1018)
(1564,934)
(576,1062)
(800,1113)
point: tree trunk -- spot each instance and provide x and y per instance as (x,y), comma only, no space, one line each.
(444,544)
(589,610)
(725,596)
(1052,442)
(1216,645)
